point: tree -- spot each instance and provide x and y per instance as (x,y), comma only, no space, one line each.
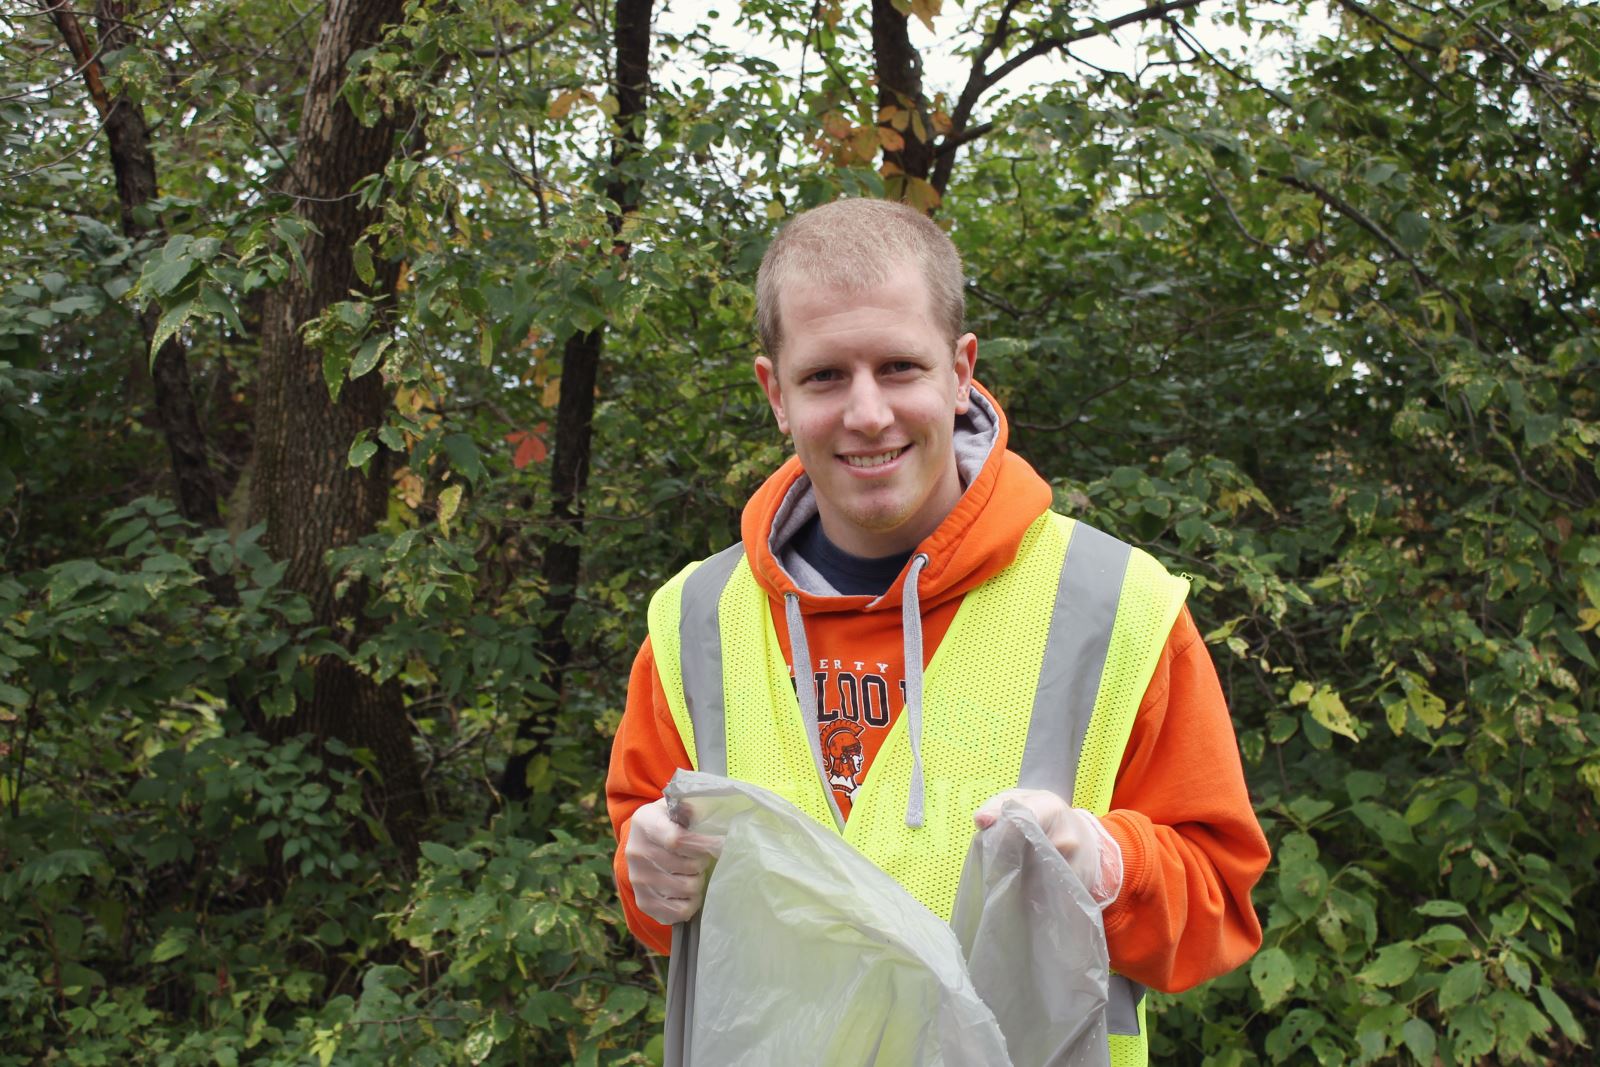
(311,499)
(561,551)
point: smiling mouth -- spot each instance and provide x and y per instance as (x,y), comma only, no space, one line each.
(877,460)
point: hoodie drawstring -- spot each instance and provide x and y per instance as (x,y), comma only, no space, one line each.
(911,634)
(805,690)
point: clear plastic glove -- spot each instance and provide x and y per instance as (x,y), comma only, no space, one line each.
(1091,851)
(667,864)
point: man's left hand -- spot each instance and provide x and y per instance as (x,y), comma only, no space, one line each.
(1093,854)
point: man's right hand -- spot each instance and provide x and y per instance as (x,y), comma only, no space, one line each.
(667,864)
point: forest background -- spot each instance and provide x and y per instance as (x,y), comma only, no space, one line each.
(365,364)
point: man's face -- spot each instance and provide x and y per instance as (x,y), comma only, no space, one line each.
(869,387)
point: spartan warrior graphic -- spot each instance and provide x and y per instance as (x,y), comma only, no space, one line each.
(841,752)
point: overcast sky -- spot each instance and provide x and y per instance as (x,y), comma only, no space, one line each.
(1123,50)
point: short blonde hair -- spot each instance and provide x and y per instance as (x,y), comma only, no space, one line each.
(854,245)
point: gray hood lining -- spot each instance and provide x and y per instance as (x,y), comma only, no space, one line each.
(974,438)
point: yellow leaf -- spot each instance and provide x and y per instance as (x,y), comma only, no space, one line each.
(609,106)
(1589,775)
(411,399)
(865,143)
(891,141)
(1428,706)
(409,485)
(1329,710)
(563,103)
(1588,619)
(449,504)
(941,122)
(926,10)
(552,391)
(1395,712)
(920,195)
(775,210)
(1300,693)
(918,129)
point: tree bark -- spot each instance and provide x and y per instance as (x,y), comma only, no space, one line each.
(562,552)
(898,66)
(303,488)
(128,137)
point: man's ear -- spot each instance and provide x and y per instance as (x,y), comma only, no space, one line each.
(767,375)
(966,362)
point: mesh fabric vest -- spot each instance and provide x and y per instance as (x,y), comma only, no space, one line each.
(1035,684)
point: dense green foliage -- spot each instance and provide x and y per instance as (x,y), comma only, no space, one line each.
(1328,341)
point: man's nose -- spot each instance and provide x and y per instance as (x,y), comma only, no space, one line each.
(866,408)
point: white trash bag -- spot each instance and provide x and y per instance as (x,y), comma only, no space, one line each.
(806,953)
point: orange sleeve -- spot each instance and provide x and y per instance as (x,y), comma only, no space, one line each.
(1191,846)
(644,755)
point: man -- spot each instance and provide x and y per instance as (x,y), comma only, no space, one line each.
(902,545)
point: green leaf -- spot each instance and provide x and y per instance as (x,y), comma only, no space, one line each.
(171,321)
(1272,973)
(1420,1040)
(1412,230)
(1307,810)
(440,855)
(173,943)
(1557,1009)
(291,230)
(1385,823)
(362,450)
(1461,984)
(1379,173)
(1518,971)
(1362,784)
(1540,429)
(361,259)
(1472,1032)
(463,453)
(1392,965)
(168,275)
(1441,909)
(368,355)
(217,302)
(623,1004)
(335,363)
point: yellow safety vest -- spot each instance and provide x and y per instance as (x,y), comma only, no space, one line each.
(1035,684)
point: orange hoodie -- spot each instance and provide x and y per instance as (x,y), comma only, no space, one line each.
(1191,846)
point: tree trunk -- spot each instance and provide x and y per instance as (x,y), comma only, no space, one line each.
(128,137)
(303,488)
(898,66)
(580,373)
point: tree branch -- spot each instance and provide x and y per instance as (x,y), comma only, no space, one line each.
(980,79)
(520,46)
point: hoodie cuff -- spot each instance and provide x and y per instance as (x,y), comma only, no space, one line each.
(1137,841)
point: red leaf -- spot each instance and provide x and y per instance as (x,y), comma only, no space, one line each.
(530,447)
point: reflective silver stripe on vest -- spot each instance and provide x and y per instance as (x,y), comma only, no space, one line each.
(1074,657)
(700,657)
